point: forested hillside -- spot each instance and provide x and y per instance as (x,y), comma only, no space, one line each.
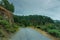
(33,20)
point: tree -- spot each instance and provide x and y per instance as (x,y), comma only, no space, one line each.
(7,5)
(33,20)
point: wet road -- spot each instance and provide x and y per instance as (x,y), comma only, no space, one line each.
(28,34)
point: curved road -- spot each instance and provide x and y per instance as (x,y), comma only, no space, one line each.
(28,34)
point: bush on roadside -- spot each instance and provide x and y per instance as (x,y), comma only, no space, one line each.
(51,29)
(54,32)
(1,18)
(4,22)
(8,27)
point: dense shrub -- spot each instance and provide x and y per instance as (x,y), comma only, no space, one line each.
(11,29)
(8,27)
(54,32)
(4,22)
(1,18)
(51,29)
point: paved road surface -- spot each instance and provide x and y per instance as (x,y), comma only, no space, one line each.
(28,34)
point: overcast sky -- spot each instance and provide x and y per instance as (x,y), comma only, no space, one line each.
(49,8)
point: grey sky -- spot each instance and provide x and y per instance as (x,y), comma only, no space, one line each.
(49,8)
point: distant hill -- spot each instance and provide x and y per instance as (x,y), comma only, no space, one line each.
(33,20)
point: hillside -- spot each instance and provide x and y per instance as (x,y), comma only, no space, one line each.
(7,25)
(33,20)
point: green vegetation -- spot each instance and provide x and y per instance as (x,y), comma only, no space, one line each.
(32,20)
(41,22)
(5,24)
(7,5)
(6,27)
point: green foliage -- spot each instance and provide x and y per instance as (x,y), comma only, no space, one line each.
(32,20)
(8,27)
(51,29)
(54,32)
(7,5)
(1,18)
(3,22)
(11,29)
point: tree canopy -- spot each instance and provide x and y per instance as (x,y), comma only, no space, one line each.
(33,20)
(6,4)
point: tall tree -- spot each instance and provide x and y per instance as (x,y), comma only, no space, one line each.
(6,4)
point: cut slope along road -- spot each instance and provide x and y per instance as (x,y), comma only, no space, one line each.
(28,34)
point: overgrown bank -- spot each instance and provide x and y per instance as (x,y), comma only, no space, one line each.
(6,29)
